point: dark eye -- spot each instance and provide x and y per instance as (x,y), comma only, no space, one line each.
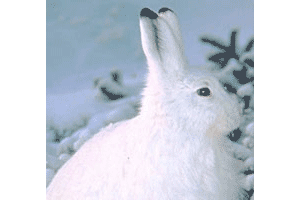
(204,92)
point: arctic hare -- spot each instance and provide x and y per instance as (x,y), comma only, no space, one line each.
(176,148)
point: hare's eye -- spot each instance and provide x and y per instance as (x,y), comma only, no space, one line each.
(205,92)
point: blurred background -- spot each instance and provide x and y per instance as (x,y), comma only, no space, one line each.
(89,37)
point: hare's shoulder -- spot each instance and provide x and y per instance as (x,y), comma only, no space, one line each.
(111,137)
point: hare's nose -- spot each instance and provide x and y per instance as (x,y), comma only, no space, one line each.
(241,103)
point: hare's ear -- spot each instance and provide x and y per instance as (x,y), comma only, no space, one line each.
(148,28)
(171,18)
(161,45)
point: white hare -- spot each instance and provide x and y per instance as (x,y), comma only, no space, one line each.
(176,148)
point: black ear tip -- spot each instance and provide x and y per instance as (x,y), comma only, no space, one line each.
(146,12)
(164,9)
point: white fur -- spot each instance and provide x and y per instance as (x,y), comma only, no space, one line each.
(176,148)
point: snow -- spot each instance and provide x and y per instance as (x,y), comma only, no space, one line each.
(87,40)
(246,89)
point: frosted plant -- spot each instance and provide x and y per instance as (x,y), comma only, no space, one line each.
(112,88)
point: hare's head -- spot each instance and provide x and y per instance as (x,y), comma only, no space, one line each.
(189,100)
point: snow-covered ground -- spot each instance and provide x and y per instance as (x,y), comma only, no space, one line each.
(89,40)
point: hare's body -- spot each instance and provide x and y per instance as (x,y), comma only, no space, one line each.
(175,149)
(148,163)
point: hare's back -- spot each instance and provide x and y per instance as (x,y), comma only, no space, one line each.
(94,167)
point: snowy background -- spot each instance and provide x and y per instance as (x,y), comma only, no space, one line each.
(90,42)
